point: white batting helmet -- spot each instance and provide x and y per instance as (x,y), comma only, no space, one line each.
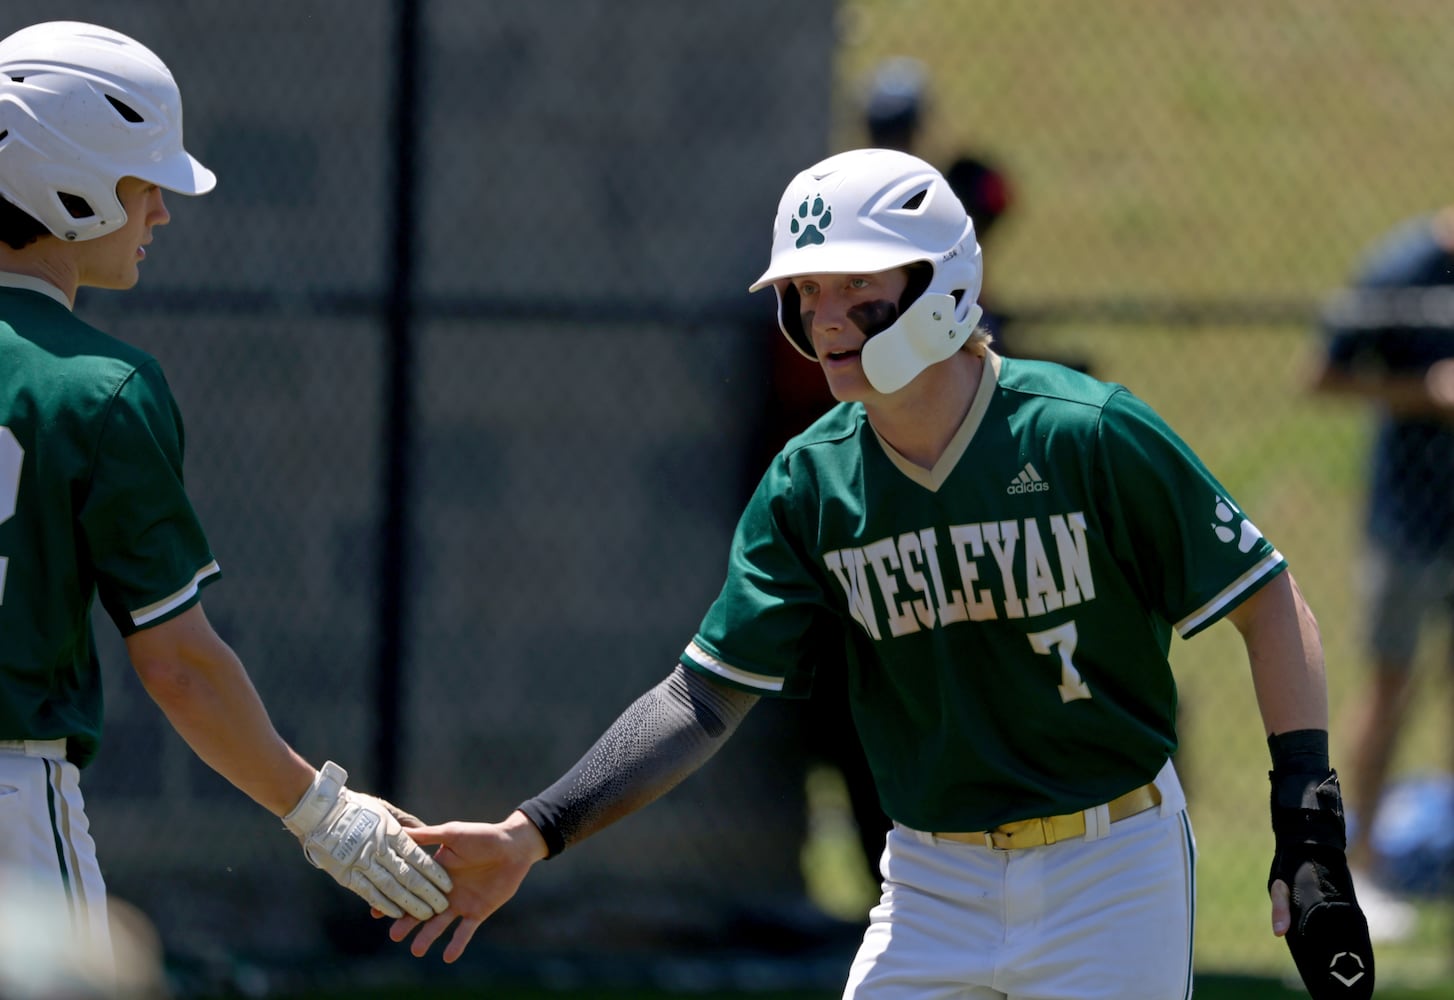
(870,210)
(82,106)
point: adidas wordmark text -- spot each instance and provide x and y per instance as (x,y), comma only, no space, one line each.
(1027,481)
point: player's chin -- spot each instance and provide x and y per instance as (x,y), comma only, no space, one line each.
(846,380)
(119,282)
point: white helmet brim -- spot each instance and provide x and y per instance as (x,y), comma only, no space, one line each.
(840,257)
(182,173)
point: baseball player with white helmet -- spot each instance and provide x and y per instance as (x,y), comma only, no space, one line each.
(91,495)
(997,552)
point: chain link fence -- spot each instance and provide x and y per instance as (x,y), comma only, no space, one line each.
(471,380)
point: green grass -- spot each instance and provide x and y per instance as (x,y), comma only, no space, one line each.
(1166,149)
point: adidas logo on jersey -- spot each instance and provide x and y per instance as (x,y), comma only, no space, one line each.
(1028,481)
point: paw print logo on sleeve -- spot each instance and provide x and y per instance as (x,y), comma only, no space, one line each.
(808,222)
(1231,525)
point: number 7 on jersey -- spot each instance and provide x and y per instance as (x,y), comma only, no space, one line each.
(1061,639)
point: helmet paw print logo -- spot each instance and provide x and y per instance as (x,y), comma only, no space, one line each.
(1227,517)
(808,222)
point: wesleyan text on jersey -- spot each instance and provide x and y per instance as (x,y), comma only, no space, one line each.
(922,580)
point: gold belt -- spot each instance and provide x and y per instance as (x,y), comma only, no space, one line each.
(54,749)
(1052,829)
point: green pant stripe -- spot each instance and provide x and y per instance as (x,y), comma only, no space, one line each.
(53,776)
(1191,881)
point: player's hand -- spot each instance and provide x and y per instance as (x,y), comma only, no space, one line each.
(406,819)
(359,841)
(487,861)
(1313,904)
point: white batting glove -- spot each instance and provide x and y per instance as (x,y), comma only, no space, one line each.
(357,839)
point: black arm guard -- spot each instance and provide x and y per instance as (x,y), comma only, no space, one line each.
(1328,937)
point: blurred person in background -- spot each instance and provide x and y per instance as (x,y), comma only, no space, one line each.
(996,552)
(92,500)
(894,108)
(1388,341)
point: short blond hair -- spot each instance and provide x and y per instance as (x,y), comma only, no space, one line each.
(978,343)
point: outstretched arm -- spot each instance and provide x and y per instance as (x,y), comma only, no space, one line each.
(201,686)
(204,690)
(1414,395)
(663,737)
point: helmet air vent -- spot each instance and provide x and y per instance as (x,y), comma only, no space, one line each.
(125,110)
(913,203)
(79,207)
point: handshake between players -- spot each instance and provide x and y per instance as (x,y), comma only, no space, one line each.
(359,840)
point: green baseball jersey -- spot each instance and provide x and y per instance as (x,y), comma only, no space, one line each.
(91,503)
(1004,618)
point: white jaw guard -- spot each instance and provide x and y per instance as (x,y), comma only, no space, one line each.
(924,335)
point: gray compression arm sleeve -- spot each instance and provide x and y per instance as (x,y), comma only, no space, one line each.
(662,738)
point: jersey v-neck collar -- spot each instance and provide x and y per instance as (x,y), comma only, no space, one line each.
(9,279)
(933,479)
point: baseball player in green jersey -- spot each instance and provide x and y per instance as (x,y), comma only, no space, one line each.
(91,495)
(997,552)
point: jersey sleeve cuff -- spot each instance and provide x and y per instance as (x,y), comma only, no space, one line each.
(700,658)
(1232,595)
(170,606)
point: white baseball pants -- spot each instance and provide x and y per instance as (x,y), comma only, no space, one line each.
(48,866)
(1106,916)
